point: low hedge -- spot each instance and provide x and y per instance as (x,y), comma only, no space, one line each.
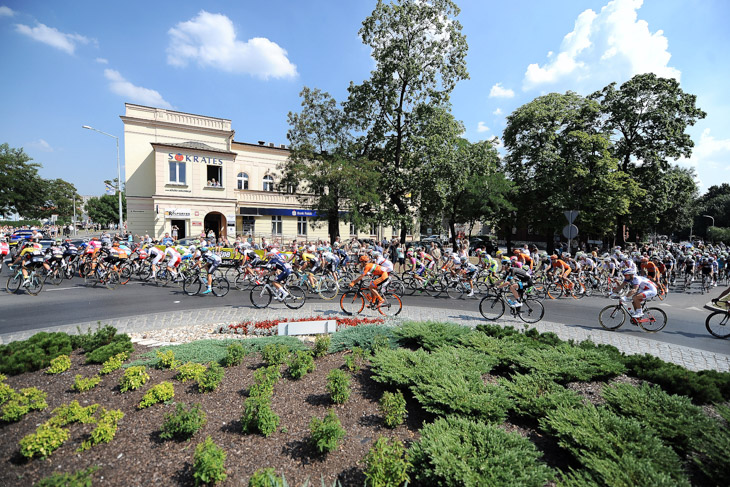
(34,353)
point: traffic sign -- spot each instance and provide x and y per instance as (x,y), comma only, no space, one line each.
(571,215)
(570,231)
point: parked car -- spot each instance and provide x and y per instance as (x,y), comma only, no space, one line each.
(482,242)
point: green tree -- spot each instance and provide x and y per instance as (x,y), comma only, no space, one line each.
(21,188)
(715,203)
(323,164)
(58,200)
(420,55)
(105,209)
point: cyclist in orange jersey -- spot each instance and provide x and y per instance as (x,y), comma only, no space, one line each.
(376,270)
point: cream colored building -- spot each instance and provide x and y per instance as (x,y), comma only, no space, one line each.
(186,170)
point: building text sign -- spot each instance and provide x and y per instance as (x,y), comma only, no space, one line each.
(188,158)
(177,213)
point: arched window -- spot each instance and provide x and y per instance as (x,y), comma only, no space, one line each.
(242,180)
(268,183)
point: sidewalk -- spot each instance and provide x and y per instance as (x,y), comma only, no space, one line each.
(209,319)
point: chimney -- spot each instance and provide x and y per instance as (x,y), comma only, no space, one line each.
(271,144)
(262,142)
(282,146)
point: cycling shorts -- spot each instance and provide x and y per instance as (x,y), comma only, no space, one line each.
(281,277)
(176,263)
(648,293)
(380,280)
(213,266)
(158,258)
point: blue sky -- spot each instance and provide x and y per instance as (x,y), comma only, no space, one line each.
(73,63)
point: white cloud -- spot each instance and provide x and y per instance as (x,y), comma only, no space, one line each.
(709,152)
(53,37)
(498,111)
(41,145)
(6,11)
(137,94)
(482,128)
(498,91)
(606,46)
(210,40)
(101,60)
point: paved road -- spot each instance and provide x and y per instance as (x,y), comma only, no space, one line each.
(72,303)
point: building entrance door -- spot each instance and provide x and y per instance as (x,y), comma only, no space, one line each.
(216,222)
(180,224)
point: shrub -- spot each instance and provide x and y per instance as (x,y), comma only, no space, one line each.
(461,452)
(162,392)
(350,363)
(43,442)
(710,447)
(361,336)
(258,416)
(59,364)
(106,428)
(301,364)
(82,478)
(265,378)
(183,423)
(534,395)
(393,408)
(567,363)
(429,335)
(73,413)
(209,463)
(321,345)
(166,359)
(23,402)
(338,385)
(235,353)
(113,363)
(265,477)
(34,353)
(211,378)
(119,344)
(275,354)
(496,331)
(6,392)
(190,371)
(614,450)
(82,384)
(326,433)
(89,341)
(133,378)
(387,464)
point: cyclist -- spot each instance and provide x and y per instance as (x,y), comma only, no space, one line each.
(156,255)
(4,250)
(211,262)
(173,258)
(376,270)
(276,263)
(689,266)
(641,289)
(518,280)
(559,268)
(469,270)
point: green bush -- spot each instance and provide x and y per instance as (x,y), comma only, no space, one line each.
(338,386)
(43,442)
(183,423)
(73,413)
(614,450)
(119,344)
(90,341)
(59,364)
(133,378)
(534,395)
(82,478)
(275,354)
(387,464)
(82,384)
(235,353)
(350,363)
(363,336)
(106,428)
(430,335)
(190,371)
(162,392)
(301,364)
(567,363)
(209,463)
(496,331)
(674,418)
(326,433)
(258,416)
(211,378)
(709,450)
(265,477)
(34,353)
(166,359)
(321,345)
(113,363)
(393,408)
(6,392)
(23,402)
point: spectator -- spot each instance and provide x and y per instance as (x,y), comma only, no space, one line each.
(174,232)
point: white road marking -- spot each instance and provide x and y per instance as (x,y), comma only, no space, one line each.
(665,304)
(176,302)
(62,289)
(694,308)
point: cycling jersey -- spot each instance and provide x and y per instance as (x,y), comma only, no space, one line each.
(173,256)
(385,264)
(156,254)
(373,268)
(645,286)
(4,248)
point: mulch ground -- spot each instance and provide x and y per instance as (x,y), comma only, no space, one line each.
(138,457)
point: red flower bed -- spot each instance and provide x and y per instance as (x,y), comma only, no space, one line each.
(266,327)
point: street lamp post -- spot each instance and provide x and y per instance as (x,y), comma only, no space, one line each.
(119,172)
(711,218)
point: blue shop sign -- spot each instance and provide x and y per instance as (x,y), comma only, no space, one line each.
(276,211)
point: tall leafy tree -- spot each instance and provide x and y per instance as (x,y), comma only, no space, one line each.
(420,55)
(21,188)
(58,199)
(715,203)
(324,166)
(105,209)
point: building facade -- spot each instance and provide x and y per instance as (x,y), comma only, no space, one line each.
(186,172)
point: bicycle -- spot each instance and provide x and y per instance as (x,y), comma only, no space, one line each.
(102,274)
(194,283)
(492,307)
(263,292)
(354,300)
(16,280)
(325,286)
(613,316)
(456,287)
(718,322)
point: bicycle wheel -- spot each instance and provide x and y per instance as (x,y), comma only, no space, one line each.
(192,285)
(220,286)
(35,285)
(491,307)
(55,276)
(296,298)
(145,272)
(14,282)
(162,278)
(125,273)
(554,290)
(397,287)
(91,278)
(454,289)
(260,296)
(531,310)
(112,280)
(612,317)
(654,320)
(718,324)
(352,302)
(328,288)
(391,305)
(242,282)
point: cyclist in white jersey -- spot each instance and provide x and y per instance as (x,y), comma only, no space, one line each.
(156,255)
(173,258)
(641,289)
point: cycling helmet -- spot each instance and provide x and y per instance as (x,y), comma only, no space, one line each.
(566,255)
(463,259)
(58,240)
(204,249)
(364,259)
(516,251)
(377,254)
(554,257)
(517,263)
(513,258)
(629,271)
(505,260)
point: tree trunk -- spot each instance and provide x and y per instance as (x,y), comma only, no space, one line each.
(333,227)
(452,229)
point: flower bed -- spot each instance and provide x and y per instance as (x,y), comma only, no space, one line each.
(268,327)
